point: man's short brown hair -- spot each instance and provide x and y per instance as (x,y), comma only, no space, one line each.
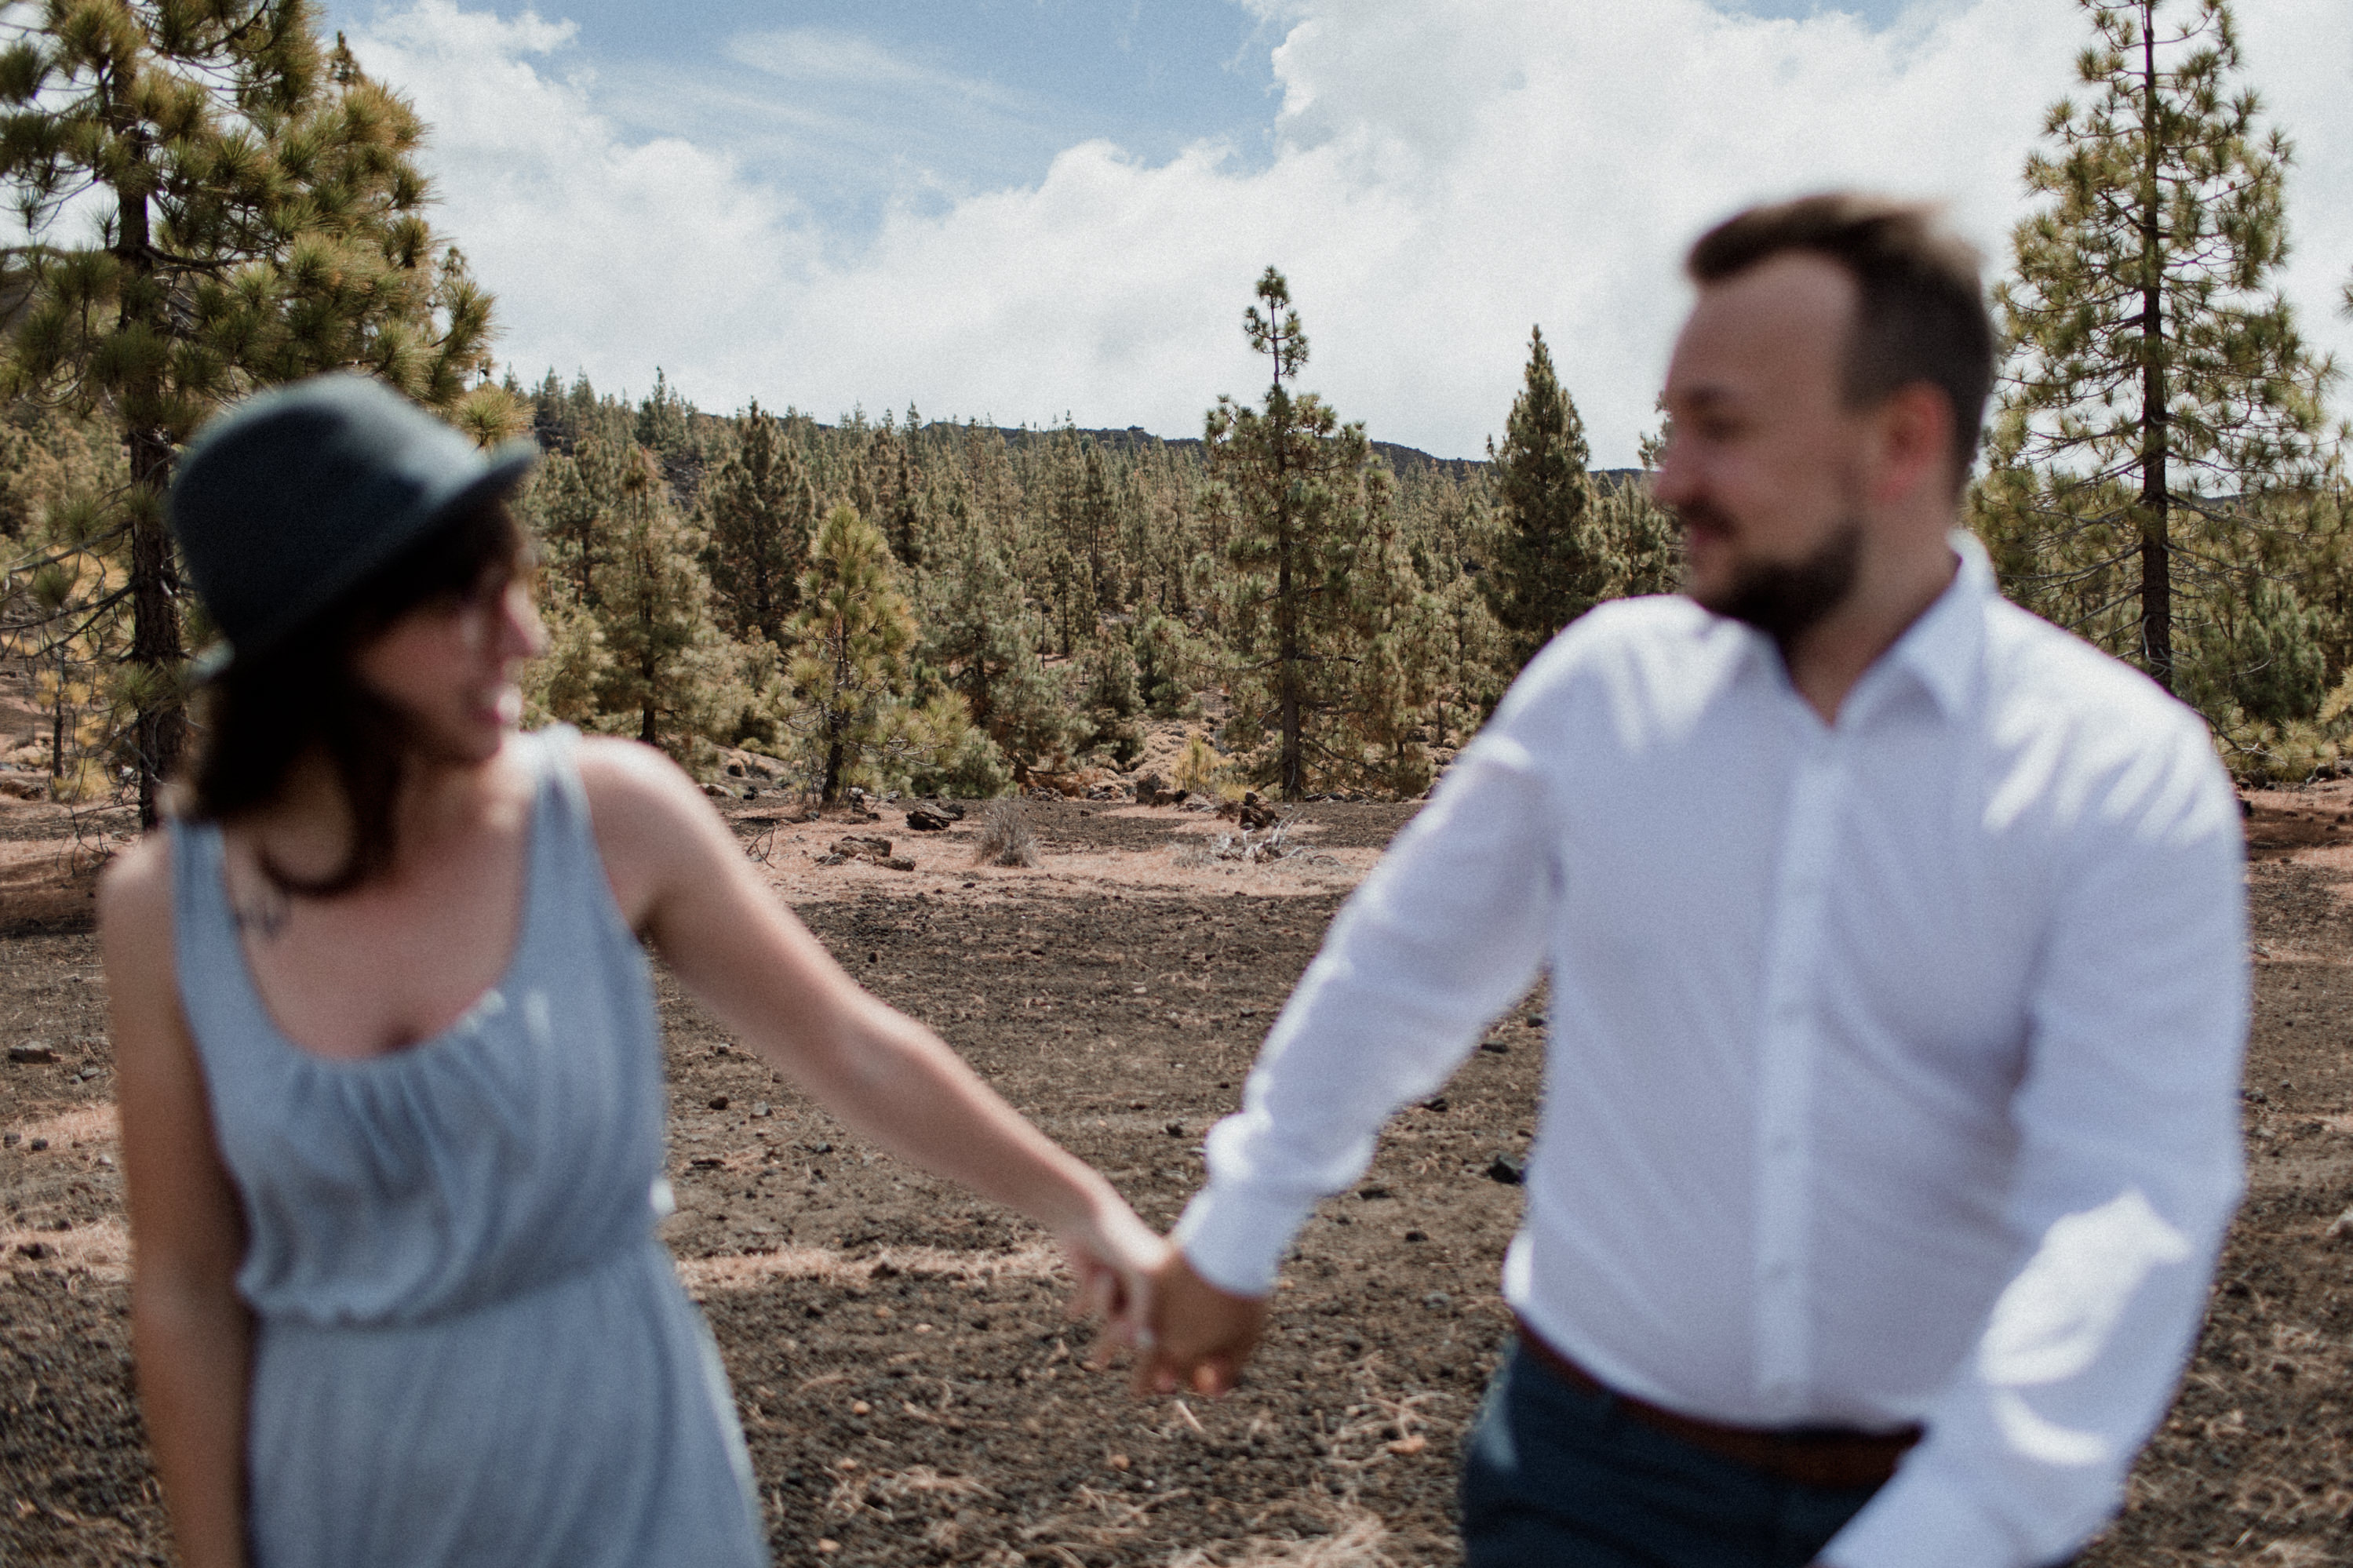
(1922,308)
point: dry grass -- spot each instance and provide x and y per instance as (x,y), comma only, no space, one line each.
(1358,1540)
(750,1272)
(88,1125)
(1005,837)
(102,1248)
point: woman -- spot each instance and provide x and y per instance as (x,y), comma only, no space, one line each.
(388,1057)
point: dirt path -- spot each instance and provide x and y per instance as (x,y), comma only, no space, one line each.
(909,1387)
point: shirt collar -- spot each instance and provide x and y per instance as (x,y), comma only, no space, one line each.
(1944,649)
(1941,650)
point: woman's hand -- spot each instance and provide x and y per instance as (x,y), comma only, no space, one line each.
(1114,1256)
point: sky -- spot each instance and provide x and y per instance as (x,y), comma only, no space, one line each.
(1027,210)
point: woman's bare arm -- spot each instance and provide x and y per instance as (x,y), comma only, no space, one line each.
(190,1334)
(682,880)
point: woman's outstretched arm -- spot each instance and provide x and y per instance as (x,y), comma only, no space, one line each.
(190,1334)
(682,880)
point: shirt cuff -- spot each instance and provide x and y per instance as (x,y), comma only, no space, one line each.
(1923,1520)
(1235,1238)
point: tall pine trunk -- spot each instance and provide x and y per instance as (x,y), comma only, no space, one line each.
(2156,497)
(160,729)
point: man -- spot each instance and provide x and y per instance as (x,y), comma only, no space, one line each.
(1896,943)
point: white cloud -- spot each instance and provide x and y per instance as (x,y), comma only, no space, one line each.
(1446,172)
(823,56)
(605,254)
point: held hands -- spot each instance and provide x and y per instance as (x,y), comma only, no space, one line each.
(1116,1256)
(1200,1336)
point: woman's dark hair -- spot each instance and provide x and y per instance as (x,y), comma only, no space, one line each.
(262,715)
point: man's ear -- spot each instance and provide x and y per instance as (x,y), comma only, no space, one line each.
(1912,434)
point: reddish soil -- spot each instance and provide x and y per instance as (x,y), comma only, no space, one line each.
(909,1386)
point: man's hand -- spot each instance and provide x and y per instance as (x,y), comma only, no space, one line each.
(1200,1335)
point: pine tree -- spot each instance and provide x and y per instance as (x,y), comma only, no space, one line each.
(982,639)
(2159,390)
(851,644)
(572,500)
(257,216)
(896,487)
(666,667)
(761,510)
(1301,491)
(1546,569)
(1095,529)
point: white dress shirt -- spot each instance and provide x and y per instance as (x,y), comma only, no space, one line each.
(1894,1064)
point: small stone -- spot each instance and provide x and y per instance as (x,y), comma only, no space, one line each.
(32,1053)
(1174,1129)
(2341,1228)
(1496,1047)
(10,1140)
(925,1329)
(37,1144)
(718,1102)
(1508,1170)
(884,1313)
(1417,1236)
(35,1250)
(1408,1447)
(1438,1302)
(760,1107)
(860,1408)
(896,863)
(924,820)
(1435,1102)
(1371,1191)
(1119,1461)
(827,1547)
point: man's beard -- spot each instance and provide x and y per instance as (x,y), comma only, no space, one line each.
(1784,599)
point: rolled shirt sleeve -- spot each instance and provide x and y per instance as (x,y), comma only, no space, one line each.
(1447,932)
(2127,1174)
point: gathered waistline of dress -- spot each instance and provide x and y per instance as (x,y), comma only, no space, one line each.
(649,1249)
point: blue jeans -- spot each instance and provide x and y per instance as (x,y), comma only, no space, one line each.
(1557,1477)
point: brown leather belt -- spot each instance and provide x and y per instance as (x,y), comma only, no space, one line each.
(1811,1457)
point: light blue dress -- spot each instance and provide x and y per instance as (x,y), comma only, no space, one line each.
(469,1348)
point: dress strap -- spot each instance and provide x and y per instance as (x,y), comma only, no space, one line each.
(208,959)
(569,868)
